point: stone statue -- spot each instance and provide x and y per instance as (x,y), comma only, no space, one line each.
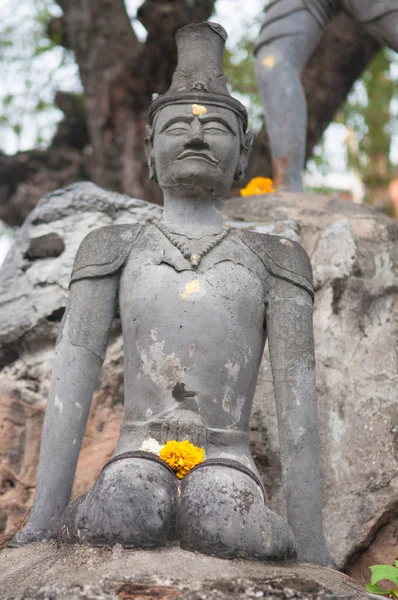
(197,301)
(289,35)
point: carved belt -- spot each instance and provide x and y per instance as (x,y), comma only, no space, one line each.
(217,437)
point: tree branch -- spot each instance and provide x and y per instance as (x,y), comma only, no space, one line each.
(162,19)
(119,76)
(342,56)
(27,176)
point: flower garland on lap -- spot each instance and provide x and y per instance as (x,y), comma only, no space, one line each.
(180,456)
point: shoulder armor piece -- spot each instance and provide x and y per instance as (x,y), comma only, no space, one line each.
(104,251)
(282,258)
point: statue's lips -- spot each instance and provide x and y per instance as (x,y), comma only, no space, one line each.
(202,155)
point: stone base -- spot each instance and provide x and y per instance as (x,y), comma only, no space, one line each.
(43,570)
(353,251)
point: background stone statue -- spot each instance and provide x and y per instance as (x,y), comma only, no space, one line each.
(291,31)
(197,302)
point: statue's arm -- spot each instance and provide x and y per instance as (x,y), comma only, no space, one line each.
(291,348)
(79,355)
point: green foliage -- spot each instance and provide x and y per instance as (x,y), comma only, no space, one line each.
(239,71)
(33,68)
(380,572)
(368,117)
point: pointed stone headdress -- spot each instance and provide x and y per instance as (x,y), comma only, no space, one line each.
(199,76)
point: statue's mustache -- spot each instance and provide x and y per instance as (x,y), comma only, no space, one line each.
(198,154)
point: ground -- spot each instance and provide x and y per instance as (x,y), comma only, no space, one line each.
(43,571)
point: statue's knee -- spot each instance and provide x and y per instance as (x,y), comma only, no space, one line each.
(270,63)
(222,512)
(133,502)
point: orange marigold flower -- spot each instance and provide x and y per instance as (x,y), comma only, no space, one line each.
(181,456)
(258,185)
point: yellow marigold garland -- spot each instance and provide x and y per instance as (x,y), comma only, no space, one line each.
(181,456)
(258,185)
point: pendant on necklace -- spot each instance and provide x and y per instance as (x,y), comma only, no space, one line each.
(183,247)
(195,259)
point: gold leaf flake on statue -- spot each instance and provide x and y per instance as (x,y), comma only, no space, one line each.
(190,288)
(198,110)
(269,61)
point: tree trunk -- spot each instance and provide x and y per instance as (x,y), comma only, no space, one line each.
(119,76)
(28,176)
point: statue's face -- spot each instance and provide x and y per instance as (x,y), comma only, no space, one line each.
(196,146)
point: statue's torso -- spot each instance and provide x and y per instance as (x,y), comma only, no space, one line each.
(193,338)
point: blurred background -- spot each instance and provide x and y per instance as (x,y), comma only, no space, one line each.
(74,94)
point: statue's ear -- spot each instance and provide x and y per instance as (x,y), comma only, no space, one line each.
(149,152)
(244,156)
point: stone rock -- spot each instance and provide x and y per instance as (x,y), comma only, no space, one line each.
(354,253)
(43,572)
(45,246)
(33,293)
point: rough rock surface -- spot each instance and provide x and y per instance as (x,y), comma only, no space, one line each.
(44,572)
(354,253)
(33,293)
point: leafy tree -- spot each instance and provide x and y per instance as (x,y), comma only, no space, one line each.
(369,116)
(100,136)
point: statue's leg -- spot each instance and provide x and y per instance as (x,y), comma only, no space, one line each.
(222,512)
(133,503)
(385,29)
(284,47)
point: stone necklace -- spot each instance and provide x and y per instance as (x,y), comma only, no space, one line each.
(184,247)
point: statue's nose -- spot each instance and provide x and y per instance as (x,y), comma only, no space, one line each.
(195,137)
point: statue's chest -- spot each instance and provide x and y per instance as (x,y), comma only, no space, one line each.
(221,293)
(199,330)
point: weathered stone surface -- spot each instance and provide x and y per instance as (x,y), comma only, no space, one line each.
(354,253)
(43,571)
(33,296)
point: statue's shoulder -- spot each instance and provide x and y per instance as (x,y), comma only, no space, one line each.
(104,251)
(283,258)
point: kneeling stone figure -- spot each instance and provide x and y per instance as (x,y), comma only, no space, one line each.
(197,302)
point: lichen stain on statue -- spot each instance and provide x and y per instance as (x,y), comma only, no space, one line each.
(197,302)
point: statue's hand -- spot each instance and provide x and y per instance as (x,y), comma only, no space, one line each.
(29,534)
(184,425)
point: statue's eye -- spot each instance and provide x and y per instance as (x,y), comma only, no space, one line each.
(215,127)
(178,128)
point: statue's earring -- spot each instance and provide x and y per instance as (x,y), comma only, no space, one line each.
(149,153)
(244,156)
(151,166)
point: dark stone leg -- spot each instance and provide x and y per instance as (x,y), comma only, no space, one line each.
(133,503)
(286,45)
(222,512)
(385,29)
